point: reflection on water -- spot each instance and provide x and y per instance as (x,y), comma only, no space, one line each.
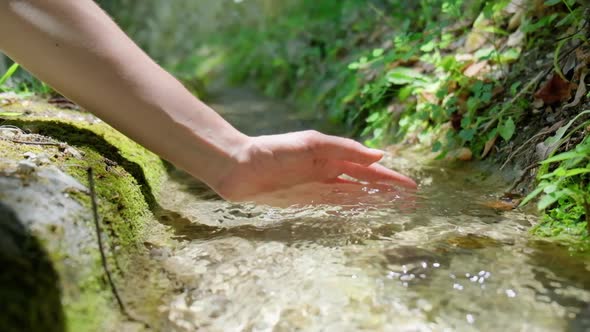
(360,259)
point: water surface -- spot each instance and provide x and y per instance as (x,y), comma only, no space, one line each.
(365,258)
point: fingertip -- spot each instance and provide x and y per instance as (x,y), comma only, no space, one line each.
(377,152)
(397,178)
(403,181)
(370,156)
(409,183)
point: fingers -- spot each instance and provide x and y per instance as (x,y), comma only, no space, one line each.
(341,181)
(377,173)
(338,148)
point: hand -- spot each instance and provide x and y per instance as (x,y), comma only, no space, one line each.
(271,163)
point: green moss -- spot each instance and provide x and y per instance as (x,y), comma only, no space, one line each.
(122,205)
(126,174)
(126,177)
(12,151)
(92,309)
(81,129)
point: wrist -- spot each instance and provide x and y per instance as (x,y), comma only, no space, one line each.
(233,178)
(215,162)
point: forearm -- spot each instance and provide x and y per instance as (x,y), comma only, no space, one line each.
(79,50)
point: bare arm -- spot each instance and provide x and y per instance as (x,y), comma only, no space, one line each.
(77,49)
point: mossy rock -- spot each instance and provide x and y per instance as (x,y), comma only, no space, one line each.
(71,293)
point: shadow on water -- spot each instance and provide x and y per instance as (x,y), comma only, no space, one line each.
(29,284)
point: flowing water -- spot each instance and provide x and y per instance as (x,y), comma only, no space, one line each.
(365,259)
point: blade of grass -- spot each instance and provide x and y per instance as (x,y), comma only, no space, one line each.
(8,74)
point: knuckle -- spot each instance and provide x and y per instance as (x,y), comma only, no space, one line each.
(312,134)
(310,141)
(320,163)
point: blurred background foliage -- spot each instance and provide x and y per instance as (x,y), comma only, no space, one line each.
(296,49)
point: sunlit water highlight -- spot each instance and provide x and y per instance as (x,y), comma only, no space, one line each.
(369,259)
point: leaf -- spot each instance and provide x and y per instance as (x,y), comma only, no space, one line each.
(510,55)
(552,2)
(405,92)
(467,134)
(576,171)
(553,141)
(475,68)
(546,201)
(562,156)
(9,73)
(514,88)
(555,90)
(437,146)
(506,130)
(404,75)
(534,193)
(428,47)
(579,93)
(354,66)
(373,117)
(10,114)
(489,145)
(550,188)
(485,53)
(378,52)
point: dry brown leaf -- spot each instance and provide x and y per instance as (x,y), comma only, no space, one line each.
(464,154)
(555,90)
(502,205)
(475,68)
(516,39)
(580,92)
(515,20)
(456,118)
(428,97)
(489,145)
(583,55)
(497,90)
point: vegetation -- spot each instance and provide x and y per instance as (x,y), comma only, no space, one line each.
(472,79)
(566,188)
(464,77)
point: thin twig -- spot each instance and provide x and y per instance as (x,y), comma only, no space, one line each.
(100,246)
(36,143)
(101,249)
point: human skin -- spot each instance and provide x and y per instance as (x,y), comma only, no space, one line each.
(77,49)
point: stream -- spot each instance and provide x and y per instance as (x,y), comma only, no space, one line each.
(364,259)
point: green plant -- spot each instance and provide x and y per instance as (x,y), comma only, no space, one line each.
(7,75)
(565,189)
